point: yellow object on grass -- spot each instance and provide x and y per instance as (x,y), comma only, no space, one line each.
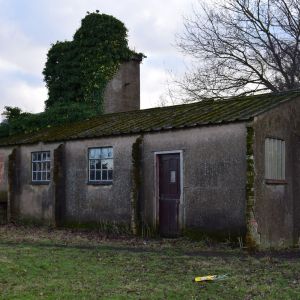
(210,278)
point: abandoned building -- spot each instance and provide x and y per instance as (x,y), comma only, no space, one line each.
(228,167)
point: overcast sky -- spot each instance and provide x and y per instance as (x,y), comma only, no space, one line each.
(28,27)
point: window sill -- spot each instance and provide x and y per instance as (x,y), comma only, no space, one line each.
(100,183)
(40,182)
(275,181)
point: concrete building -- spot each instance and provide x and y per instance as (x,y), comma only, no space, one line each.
(229,168)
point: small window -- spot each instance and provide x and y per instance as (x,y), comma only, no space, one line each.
(40,162)
(101,165)
(274,159)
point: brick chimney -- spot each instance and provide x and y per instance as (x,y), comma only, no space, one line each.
(122,93)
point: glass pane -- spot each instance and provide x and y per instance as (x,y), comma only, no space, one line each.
(92,164)
(34,156)
(104,175)
(38,176)
(38,166)
(48,175)
(104,153)
(92,153)
(48,166)
(92,175)
(107,164)
(43,176)
(39,156)
(110,152)
(34,176)
(48,155)
(98,175)
(98,164)
(110,175)
(43,167)
(33,166)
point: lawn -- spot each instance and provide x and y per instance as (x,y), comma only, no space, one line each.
(60,264)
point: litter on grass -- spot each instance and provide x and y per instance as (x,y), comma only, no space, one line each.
(210,278)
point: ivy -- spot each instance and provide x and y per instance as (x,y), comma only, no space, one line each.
(76,74)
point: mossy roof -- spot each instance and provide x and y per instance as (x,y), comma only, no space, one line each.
(208,112)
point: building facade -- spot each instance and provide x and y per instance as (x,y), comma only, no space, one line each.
(226,168)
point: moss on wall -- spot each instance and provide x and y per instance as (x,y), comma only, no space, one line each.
(250,198)
(12,184)
(59,183)
(136,178)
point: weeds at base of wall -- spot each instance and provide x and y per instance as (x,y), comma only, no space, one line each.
(146,231)
(102,227)
(32,222)
(211,238)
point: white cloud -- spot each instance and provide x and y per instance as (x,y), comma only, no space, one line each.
(19,51)
(26,34)
(29,98)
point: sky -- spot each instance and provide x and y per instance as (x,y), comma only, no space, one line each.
(29,27)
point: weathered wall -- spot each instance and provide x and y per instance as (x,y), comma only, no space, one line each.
(277,206)
(123,91)
(98,203)
(4,205)
(214,176)
(34,201)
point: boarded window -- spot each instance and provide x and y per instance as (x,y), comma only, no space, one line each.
(274,159)
(40,163)
(101,165)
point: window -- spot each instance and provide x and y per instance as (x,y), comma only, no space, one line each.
(101,165)
(40,166)
(274,159)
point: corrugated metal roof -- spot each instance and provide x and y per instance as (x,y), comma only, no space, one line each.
(202,113)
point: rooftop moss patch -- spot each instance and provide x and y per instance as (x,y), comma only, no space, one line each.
(202,113)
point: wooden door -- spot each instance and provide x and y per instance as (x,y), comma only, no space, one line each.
(169,194)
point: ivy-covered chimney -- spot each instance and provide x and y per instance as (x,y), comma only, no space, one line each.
(122,93)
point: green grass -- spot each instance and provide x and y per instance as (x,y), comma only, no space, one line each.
(43,264)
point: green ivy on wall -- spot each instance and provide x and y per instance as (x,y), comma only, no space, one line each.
(76,74)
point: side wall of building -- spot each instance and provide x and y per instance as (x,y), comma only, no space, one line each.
(214,177)
(277,206)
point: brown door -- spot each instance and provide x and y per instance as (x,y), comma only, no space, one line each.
(169,194)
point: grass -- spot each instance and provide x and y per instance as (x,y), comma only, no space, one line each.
(61,264)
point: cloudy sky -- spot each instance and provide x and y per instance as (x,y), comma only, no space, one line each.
(28,27)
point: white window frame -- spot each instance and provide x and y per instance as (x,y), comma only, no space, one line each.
(92,166)
(41,164)
(275,159)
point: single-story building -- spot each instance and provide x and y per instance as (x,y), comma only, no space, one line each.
(217,166)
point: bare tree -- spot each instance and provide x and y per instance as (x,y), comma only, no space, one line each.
(242,47)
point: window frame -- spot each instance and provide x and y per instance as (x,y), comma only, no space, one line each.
(281,180)
(100,182)
(42,181)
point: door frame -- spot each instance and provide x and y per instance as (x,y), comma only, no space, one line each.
(181,213)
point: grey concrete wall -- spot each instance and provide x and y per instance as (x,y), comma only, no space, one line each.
(277,211)
(123,91)
(34,201)
(214,177)
(98,203)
